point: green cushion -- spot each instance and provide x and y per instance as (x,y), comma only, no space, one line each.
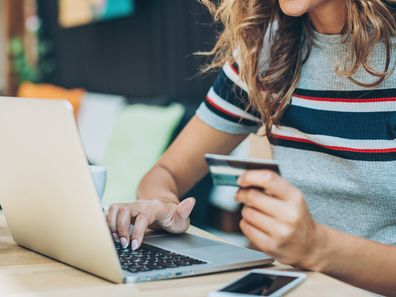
(140,135)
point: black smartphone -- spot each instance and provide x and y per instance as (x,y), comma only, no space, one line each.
(261,282)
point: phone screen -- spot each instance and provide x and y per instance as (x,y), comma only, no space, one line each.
(259,284)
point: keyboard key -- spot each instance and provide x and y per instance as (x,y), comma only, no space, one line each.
(148,258)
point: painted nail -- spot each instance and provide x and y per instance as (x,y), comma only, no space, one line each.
(124,242)
(115,237)
(185,214)
(134,244)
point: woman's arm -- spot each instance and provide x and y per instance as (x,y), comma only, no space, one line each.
(360,262)
(158,193)
(183,164)
(278,222)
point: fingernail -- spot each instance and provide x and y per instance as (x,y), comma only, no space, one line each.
(115,237)
(124,242)
(186,214)
(134,244)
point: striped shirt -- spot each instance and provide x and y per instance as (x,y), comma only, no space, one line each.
(336,140)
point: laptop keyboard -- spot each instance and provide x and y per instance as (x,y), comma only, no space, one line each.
(148,258)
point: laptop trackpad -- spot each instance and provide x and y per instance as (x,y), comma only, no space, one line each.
(179,242)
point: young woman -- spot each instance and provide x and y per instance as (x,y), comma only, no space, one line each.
(319,74)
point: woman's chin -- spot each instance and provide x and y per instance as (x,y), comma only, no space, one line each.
(294,8)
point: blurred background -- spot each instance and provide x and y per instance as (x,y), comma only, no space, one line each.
(128,68)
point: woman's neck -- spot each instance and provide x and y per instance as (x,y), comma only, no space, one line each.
(329,17)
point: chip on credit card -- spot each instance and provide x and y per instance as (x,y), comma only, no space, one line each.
(225,170)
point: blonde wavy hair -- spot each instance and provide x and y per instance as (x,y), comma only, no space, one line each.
(245,23)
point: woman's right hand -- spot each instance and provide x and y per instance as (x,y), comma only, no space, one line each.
(144,213)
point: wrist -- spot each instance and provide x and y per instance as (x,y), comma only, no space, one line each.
(164,197)
(319,249)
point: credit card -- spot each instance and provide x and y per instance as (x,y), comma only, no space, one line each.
(225,170)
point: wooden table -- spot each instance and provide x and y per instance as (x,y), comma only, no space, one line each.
(25,273)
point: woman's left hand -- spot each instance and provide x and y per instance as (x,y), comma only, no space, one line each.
(276,219)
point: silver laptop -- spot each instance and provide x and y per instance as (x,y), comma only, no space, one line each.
(51,204)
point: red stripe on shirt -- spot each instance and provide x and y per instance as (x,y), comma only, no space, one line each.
(335,148)
(386,99)
(233,68)
(218,107)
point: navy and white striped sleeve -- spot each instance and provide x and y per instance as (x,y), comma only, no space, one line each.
(226,105)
